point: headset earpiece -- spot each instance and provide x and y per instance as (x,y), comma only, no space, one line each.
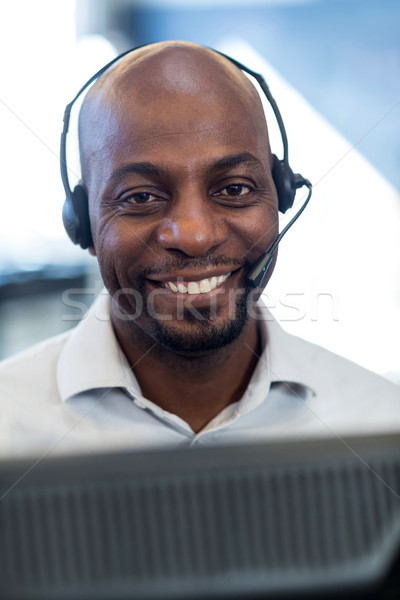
(75,216)
(284,182)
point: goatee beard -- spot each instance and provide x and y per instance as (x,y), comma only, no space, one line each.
(204,333)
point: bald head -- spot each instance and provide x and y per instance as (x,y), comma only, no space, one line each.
(157,79)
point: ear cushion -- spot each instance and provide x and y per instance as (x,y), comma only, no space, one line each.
(284,181)
(69,220)
(75,216)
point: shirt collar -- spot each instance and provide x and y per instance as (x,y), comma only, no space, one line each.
(283,358)
(275,365)
(92,358)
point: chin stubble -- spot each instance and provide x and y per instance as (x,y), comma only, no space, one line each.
(203,334)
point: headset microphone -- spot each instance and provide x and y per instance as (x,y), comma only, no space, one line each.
(258,273)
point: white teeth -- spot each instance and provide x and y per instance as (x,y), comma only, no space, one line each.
(205,286)
(197,287)
(193,287)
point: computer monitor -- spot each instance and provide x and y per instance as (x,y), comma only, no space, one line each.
(288,519)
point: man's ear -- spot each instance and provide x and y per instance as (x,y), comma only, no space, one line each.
(92,250)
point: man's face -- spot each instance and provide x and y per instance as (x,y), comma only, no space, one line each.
(181,203)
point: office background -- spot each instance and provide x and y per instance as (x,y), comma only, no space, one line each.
(334,68)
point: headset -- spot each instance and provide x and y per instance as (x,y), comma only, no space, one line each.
(76,212)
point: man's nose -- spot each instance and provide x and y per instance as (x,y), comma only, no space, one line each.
(192,226)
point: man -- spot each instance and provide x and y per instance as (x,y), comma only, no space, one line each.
(177,168)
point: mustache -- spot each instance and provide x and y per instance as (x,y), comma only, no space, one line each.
(180,263)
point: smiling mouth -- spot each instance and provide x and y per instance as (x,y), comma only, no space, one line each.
(195,287)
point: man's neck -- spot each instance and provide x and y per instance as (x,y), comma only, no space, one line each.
(195,388)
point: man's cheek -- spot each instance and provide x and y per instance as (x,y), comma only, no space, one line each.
(128,304)
(262,241)
(155,307)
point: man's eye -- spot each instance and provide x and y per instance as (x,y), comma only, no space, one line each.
(140,198)
(235,189)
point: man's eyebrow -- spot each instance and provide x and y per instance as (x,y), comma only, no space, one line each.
(138,168)
(235,160)
(151,170)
